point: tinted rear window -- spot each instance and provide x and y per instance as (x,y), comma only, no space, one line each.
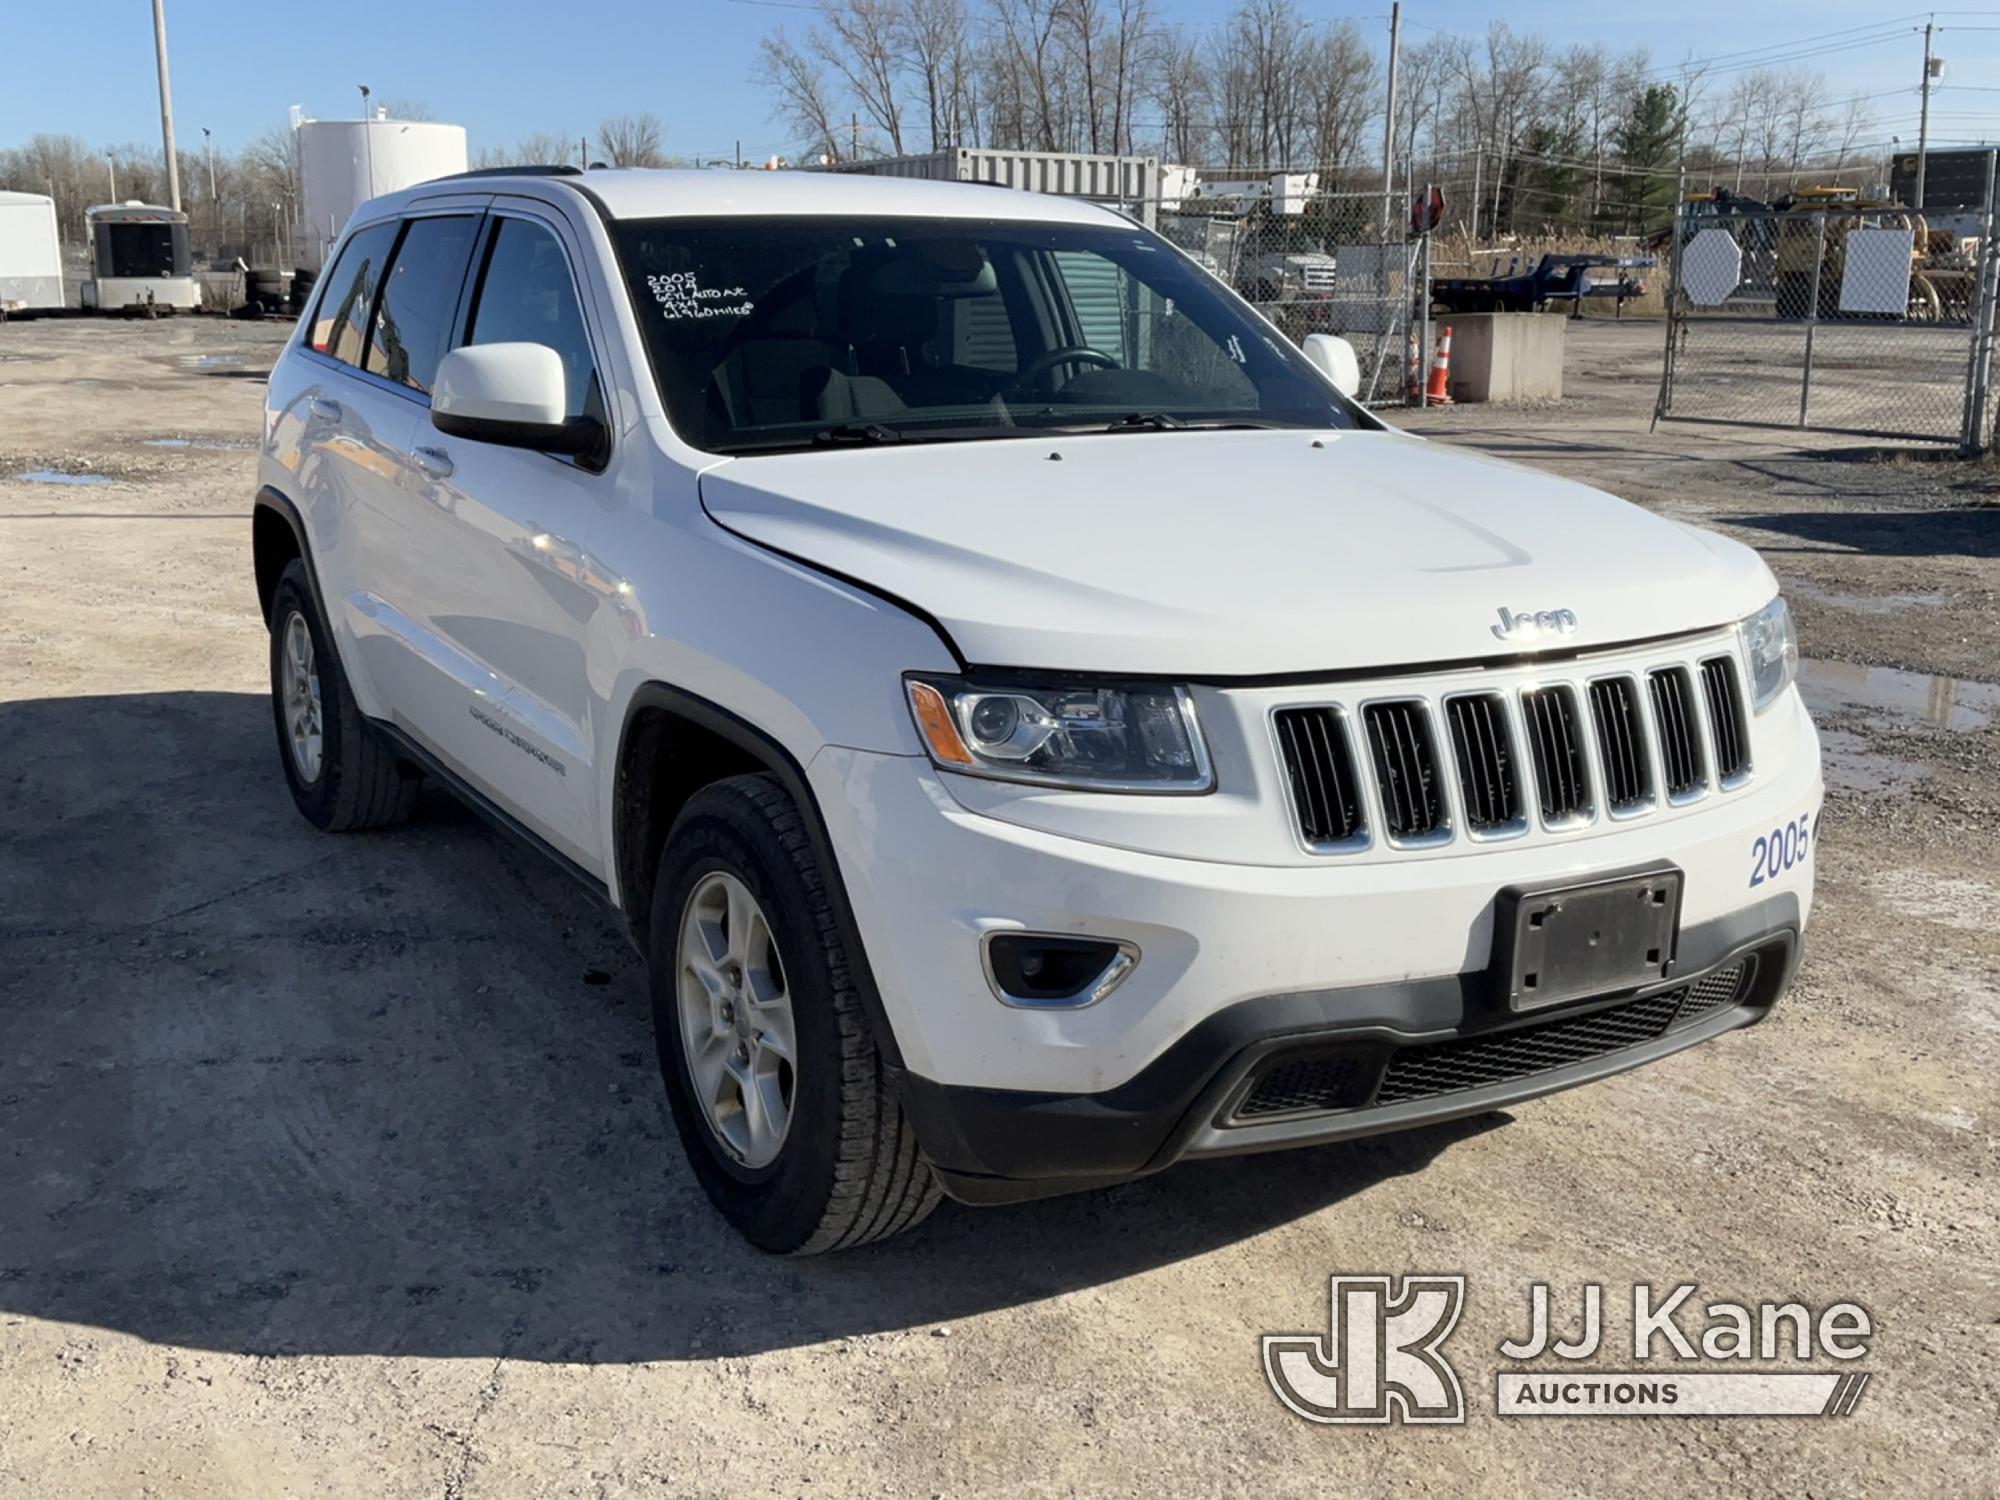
(340,327)
(419,299)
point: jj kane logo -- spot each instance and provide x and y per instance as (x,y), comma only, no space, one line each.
(1380,1360)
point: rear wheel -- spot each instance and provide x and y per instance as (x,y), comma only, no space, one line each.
(343,775)
(769,1059)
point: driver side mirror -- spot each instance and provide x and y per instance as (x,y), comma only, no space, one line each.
(1334,358)
(515,395)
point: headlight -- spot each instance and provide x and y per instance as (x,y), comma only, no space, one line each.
(1771,651)
(1091,736)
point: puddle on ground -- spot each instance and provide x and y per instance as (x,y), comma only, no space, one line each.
(1851,764)
(50,476)
(1912,697)
(1864,604)
(212,445)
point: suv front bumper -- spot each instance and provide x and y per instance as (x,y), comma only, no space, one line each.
(1358,967)
(1317,1066)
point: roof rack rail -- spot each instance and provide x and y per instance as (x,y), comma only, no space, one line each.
(557,169)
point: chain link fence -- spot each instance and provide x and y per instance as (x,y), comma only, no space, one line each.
(1320,263)
(1841,316)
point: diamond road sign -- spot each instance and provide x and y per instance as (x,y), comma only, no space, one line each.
(1711,267)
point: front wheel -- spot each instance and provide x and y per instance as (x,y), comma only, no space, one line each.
(342,774)
(770,1062)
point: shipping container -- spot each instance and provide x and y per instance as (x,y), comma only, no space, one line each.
(1130,184)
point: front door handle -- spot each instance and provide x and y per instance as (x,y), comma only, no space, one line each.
(433,463)
(325,410)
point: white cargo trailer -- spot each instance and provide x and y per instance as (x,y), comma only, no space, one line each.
(141,260)
(31,278)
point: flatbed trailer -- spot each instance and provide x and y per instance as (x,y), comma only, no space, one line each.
(1556,278)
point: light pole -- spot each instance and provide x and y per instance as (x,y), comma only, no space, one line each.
(111,166)
(166,106)
(214,208)
(367,139)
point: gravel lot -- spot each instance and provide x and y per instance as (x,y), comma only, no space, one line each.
(339,1165)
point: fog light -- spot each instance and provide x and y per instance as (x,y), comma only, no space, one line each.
(1038,970)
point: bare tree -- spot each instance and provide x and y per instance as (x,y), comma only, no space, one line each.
(858,40)
(1346,85)
(633,141)
(933,40)
(1177,84)
(542,148)
(803,101)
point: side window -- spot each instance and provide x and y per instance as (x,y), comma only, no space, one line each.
(419,299)
(341,324)
(526,296)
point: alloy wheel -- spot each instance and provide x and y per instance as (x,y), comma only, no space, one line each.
(299,688)
(736,1019)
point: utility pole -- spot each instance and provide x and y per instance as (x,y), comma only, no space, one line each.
(166,107)
(1932,67)
(208,145)
(1389,117)
(111,166)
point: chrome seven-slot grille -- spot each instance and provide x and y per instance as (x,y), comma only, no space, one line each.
(1633,740)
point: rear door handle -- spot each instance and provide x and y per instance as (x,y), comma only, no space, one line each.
(434,463)
(325,410)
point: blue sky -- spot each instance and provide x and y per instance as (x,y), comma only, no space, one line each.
(505,68)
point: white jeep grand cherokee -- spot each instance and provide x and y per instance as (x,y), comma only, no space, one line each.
(1035,726)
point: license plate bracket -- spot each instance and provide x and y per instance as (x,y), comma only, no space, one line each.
(1556,944)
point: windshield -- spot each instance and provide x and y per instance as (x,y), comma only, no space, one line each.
(773,333)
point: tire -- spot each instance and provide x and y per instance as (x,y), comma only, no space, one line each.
(846,1169)
(358,781)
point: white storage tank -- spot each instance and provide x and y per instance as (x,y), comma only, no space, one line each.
(31,277)
(344,163)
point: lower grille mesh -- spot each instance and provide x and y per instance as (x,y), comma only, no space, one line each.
(1315,1083)
(1721,988)
(1446,1067)
(1325,1083)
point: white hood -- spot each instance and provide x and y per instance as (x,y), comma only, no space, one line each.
(1223,554)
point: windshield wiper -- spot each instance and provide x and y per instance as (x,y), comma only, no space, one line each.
(847,434)
(1159,420)
(1166,421)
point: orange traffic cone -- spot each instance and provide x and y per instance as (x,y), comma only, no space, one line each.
(1413,374)
(1437,395)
